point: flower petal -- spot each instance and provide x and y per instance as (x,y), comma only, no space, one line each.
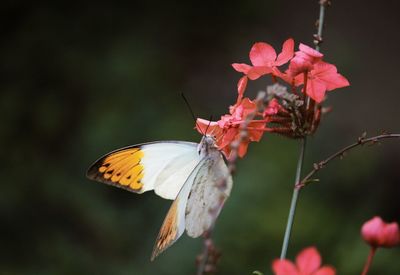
(371,231)
(310,51)
(299,64)
(326,270)
(316,89)
(256,72)
(287,52)
(286,76)
(308,261)
(339,82)
(212,128)
(241,67)
(254,134)
(284,267)
(262,54)
(229,137)
(242,150)
(391,235)
(241,86)
(328,74)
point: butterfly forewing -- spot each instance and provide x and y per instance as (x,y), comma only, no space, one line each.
(162,166)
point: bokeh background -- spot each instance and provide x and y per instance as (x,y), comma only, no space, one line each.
(79,79)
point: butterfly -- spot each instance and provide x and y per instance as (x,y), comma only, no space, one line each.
(191,174)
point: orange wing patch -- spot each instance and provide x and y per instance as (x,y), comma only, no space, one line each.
(122,169)
(168,232)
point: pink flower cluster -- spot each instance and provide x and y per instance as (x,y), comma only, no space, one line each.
(305,69)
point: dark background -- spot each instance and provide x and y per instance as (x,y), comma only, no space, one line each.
(81,79)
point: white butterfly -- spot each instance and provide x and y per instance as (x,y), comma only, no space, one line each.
(186,172)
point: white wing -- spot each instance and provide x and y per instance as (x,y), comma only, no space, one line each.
(174,223)
(192,208)
(167,165)
(160,166)
(211,187)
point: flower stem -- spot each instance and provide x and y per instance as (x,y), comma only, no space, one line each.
(369,260)
(295,196)
(297,187)
(323,4)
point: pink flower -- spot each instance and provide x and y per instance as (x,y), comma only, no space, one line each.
(228,128)
(323,77)
(263,58)
(308,262)
(304,60)
(378,233)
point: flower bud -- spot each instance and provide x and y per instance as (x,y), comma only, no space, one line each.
(377,233)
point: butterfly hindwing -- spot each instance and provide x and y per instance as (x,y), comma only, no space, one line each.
(162,166)
(174,222)
(200,195)
(211,187)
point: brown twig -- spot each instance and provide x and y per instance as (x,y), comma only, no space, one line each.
(362,140)
(206,261)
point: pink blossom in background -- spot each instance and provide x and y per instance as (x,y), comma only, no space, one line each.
(377,233)
(308,262)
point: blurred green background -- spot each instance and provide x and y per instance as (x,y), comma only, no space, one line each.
(81,79)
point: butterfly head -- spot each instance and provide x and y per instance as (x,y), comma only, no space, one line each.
(206,145)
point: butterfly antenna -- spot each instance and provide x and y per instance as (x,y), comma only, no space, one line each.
(209,122)
(192,113)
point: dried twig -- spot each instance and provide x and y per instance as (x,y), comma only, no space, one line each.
(362,140)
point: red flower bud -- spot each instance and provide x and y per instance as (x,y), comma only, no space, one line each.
(378,233)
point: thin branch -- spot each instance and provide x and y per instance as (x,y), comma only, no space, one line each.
(320,23)
(293,203)
(296,190)
(361,141)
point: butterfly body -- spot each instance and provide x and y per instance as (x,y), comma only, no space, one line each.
(194,175)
